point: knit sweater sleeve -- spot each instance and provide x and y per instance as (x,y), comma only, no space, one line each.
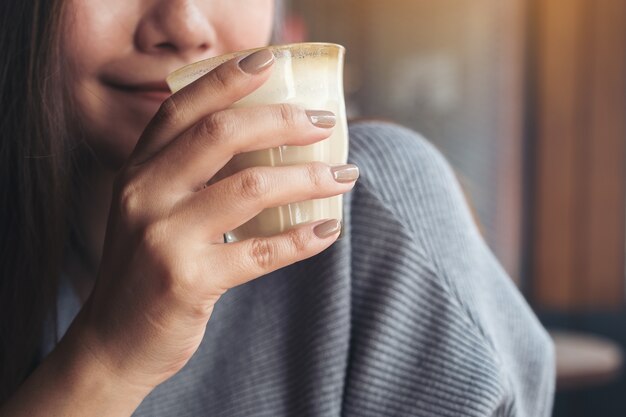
(437,326)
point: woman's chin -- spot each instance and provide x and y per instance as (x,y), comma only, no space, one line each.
(113,145)
(113,127)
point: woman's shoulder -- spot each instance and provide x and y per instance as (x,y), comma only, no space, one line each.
(406,174)
(385,144)
(419,258)
(397,164)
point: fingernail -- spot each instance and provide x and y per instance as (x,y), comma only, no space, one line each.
(327,229)
(345,173)
(257,61)
(322,118)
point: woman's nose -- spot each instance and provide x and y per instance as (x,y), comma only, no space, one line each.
(175,26)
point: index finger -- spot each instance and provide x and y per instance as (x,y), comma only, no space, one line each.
(215,91)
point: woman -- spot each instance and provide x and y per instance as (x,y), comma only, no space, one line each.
(108,225)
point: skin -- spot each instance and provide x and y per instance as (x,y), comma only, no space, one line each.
(162,265)
(113,43)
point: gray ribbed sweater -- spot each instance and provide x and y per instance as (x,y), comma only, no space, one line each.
(408,315)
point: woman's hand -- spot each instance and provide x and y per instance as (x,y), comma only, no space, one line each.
(164,264)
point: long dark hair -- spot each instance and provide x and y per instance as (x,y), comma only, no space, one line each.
(35,172)
(43,166)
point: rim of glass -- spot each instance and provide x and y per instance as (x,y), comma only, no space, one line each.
(182,72)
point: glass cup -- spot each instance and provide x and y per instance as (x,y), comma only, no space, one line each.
(307,74)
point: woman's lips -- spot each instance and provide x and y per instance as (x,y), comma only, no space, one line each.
(154,95)
(154,91)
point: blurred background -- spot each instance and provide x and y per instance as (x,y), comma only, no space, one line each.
(527,99)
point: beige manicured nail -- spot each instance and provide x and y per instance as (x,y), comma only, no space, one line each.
(257,61)
(322,118)
(327,229)
(345,173)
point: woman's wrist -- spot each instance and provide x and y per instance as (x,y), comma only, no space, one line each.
(75,380)
(88,373)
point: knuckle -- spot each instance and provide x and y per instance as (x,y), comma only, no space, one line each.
(253,184)
(169,112)
(175,274)
(155,237)
(298,241)
(221,124)
(221,79)
(212,128)
(286,115)
(263,253)
(316,171)
(129,200)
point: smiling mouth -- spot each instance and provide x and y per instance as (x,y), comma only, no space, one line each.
(154,91)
